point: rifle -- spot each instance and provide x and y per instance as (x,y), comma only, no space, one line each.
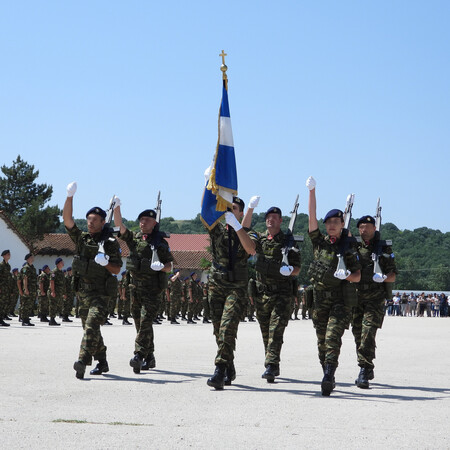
(291,239)
(345,238)
(158,215)
(378,243)
(107,230)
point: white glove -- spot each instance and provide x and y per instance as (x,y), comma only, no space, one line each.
(231,220)
(253,203)
(157,266)
(378,277)
(286,270)
(342,274)
(102,259)
(118,202)
(310,183)
(71,188)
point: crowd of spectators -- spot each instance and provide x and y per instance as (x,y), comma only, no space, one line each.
(418,305)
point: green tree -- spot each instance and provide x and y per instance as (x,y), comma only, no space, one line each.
(24,200)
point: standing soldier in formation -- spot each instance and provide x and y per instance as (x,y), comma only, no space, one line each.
(149,263)
(174,294)
(331,314)
(275,283)
(227,287)
(68,301)
(192,298)
(372,293)
(28,290)
(5,287)
(57,291)
(14,291)
(93,271)
(44,285)
(205,302)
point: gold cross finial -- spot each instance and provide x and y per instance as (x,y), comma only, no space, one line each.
(223,54)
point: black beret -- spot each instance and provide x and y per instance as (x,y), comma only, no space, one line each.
(365,219)
(69,268)
(5,252)
(44,267)
(123,273)
(15,269)
(97,210)
(333,213)
(28,255)
(239,202)
(274,210)
(58,260)
(192,274)
(147,213)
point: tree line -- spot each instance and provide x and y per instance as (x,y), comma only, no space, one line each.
(422,255)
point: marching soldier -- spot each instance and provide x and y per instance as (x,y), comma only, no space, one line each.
(373,291)
(94,281)
(331,314)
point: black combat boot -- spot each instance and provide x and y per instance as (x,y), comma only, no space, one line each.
(80,368)
(44,319)
(328,381)
(53,322)
(66,319)
(217,381)
(101,367)
(125,321)
(3,323)
(230,374)
(174,321)
(149,362)
(272,371)
(363,379)
(136,363)
(205,320)
(107,322)
(27,323)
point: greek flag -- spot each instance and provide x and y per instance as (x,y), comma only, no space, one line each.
(221,176)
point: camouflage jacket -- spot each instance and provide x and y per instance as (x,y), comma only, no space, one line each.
(5,278)
(29,272)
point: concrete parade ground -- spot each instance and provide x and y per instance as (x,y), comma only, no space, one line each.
(43,405)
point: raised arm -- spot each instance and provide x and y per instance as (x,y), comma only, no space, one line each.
(311,185)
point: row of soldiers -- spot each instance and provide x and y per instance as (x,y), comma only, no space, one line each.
(53,290)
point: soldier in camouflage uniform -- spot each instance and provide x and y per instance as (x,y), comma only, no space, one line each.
(5,287)
(15,281)
(70,294)
(149,276)
(174,295)
(227,288)
(332,311)
(28,291)
(205,303)
(56,291)
(44,285)
(275,284)
(93,281)
(372,293)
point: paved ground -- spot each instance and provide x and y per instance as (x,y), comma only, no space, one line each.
(43,405)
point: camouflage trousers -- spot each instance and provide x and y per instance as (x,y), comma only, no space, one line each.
(4,304)
(26,306)
(93,310)
(67,305)
(273,311)
(174,306)
(144,309)
(367,317)
(54,305)
(331,317)
(226,305)
(43,305)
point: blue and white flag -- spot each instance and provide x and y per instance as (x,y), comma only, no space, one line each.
(221,176)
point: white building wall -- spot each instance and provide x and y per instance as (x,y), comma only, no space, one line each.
(10,241)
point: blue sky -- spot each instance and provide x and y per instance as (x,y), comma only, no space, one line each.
(123,97)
